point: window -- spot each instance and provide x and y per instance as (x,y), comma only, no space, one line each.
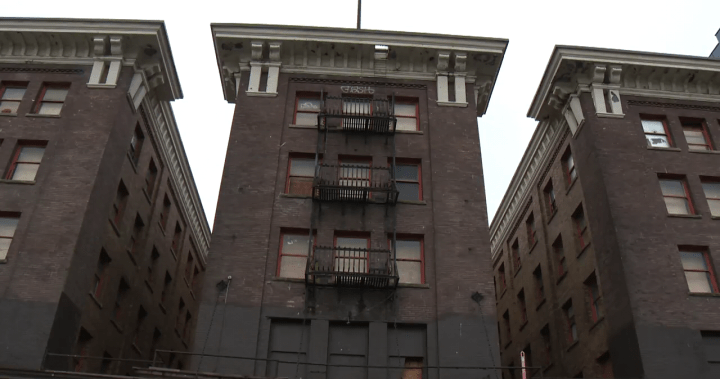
(150,177)
(593,293)
(570,322)
(294,248)
(711,187)
(355,172)
(8,225)
(523,308)
(51,99)
(676,195)
(106,363)
(539,287)
(550,199)
(528,360)
(410,260)
(547,347)
(136,237)
(165,213)
(604,365)
(559,257)
(26,161)
(83,341)
(351,253)
(136,143)
(506,325)
(406,112)
(177,238)
(166,287)
(696,134)
(515,250)
(155,342)
(180,314)
(698,270)
(137,333)
(301,173)
(196,279)
(189,266)
(154,257)
(186,327)
(11,95)
(656,133)
(530,225)
(501,275)
(100,274)
(413,368)
(581,228)
(120,202)
(569,167)
(408,179)
(307,107)
(119,299)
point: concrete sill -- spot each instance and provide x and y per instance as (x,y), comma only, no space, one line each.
(552,215)
(685,216)
(413,285)
(561,277)
(570,186)
(540,304)
(108,86)
(610,115)
(132,257)
(412,202)
(704,151)
(524,324)
(115,324)
(517,270)
(9,181)
(703,294)
(409,131)
(193,295)
(451,104)
(92,296)
(162,308)
(115,228)
(186,282)
(162,230)
(532,247)
(4,260)
(291,280)
(295,196)
(503,293)
(715,217)
(8,114)
(136,348)
(675,149)
(597,322)
(507,344)
(261,94)
(42,115)
(584,248)
(149,286)
(177,333)
(147,196)
(184,343)
(174,255)
(302,126)
(132,163)
(548,367)
(572,345)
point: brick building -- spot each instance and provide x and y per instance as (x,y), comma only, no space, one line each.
(605,242)
(366,143)
(103,239)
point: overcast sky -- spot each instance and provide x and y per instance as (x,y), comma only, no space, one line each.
(533,28)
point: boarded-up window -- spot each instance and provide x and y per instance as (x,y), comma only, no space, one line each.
(347,351)
(289,341)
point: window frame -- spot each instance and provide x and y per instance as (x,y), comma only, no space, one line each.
(120,203)
(408,162)
(406,237)
(531,230)
(709,180)
(592,284)
(539,284)
(561,261)
(10,84)
(305,95)
(501,274)
(291,156)
(580,230)
(570,322)
(515,254)
(12,215)
(547,343)
(136,144)
(522,302)
(41,96)
(151,175)
(666,128)
(16,156)
(408,101)
(698,125)
(550,199)
(294,232)
(567,169)
(708,263)
(686,188)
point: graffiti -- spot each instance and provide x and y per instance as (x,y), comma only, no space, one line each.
(357,90)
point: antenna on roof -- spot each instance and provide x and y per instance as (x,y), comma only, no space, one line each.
(359,6)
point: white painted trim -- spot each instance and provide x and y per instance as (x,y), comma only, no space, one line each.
(452,104)
(261,94)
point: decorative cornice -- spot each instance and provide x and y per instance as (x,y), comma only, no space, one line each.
(358,53)
(83,42)
(575,69)
(357,83)
(640,103)
(532,166)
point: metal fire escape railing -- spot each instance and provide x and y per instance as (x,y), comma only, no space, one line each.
(354,182)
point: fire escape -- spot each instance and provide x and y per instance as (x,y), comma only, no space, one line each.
(360,183)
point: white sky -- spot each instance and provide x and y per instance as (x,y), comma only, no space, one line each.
(533,28)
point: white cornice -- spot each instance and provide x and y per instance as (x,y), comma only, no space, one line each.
(70,41)
(652,74)
(352,52)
